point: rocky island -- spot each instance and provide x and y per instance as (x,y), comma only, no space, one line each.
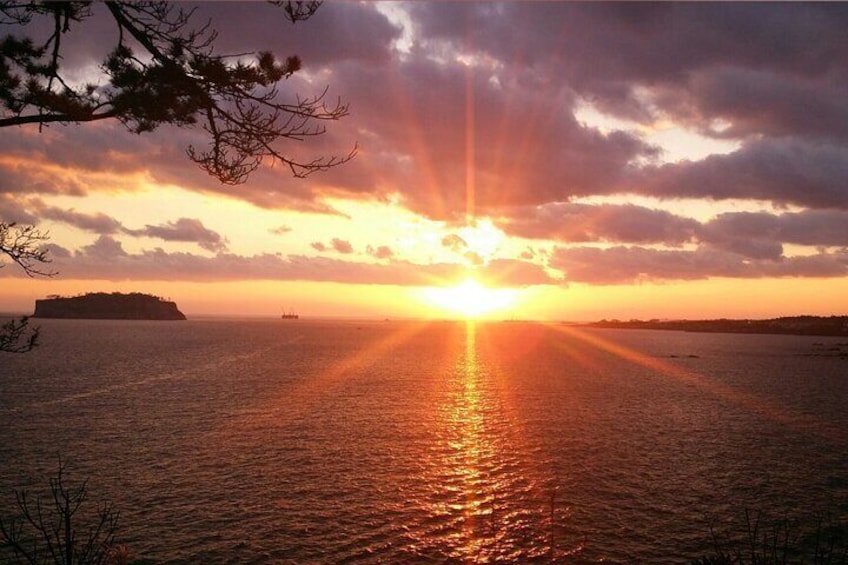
(108,306)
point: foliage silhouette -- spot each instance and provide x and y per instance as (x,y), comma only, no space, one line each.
(764,542)
(164,70)
(51,532)
(24,246)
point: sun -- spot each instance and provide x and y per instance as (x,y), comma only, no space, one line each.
(470,299)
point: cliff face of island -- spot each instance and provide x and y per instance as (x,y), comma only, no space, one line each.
(108,306)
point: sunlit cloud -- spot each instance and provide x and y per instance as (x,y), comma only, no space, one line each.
(341,246)
(576,151)
(106,259)
(380,252)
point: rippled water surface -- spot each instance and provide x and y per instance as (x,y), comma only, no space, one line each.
(388,442)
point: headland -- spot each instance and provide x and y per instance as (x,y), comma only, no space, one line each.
(794,325)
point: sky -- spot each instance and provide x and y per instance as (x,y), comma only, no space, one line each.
(558,161)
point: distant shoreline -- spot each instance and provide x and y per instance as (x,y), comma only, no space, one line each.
(791,325)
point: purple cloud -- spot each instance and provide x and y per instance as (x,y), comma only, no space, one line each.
(809,227)
(106,259)
(625,265)
(783,171)
(98,223)
(465,122)
(626,223)
(185,229)
(12,211)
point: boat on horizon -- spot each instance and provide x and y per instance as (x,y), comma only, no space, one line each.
(290,315)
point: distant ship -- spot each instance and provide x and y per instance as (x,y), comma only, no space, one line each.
(290,315)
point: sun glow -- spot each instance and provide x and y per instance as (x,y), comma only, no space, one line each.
(470,299)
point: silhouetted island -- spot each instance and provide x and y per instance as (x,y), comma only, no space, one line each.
(795,325)
(108,306)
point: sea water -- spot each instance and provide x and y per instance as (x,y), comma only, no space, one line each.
(298,441)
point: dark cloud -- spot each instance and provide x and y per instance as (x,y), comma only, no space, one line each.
(571,222)
(20,178)
(105,248)
(783,171)
(527,146)
(468,123)
(625,265)
(57,251)
(187,230)
(12,211)
(98,223)
(774,74)
(95,156)
(759,235)
(752,101)
(810,227)
(604,48)
(341,31)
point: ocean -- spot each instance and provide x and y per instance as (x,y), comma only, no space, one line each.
(298,441)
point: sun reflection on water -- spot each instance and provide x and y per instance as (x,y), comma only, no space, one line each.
(487,501)
(472,446)
(466,453)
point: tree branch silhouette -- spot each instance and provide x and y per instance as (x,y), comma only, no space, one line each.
(24,246)
(164,70)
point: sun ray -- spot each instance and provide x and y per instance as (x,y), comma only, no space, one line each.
(300,400)
(470,140)
(776,412)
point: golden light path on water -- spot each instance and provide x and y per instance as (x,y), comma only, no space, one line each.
(468,447)
(480,497)
(489,489)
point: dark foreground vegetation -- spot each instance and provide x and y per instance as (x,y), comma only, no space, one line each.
(60,529)
(63,528)
(794,325)
(761,541)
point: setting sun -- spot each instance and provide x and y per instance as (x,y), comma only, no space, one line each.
(470,299)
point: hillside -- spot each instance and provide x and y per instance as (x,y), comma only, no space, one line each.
(797,325)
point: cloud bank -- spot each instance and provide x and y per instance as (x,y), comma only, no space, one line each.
(454,122)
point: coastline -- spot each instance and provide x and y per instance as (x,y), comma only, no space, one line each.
(835,326)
